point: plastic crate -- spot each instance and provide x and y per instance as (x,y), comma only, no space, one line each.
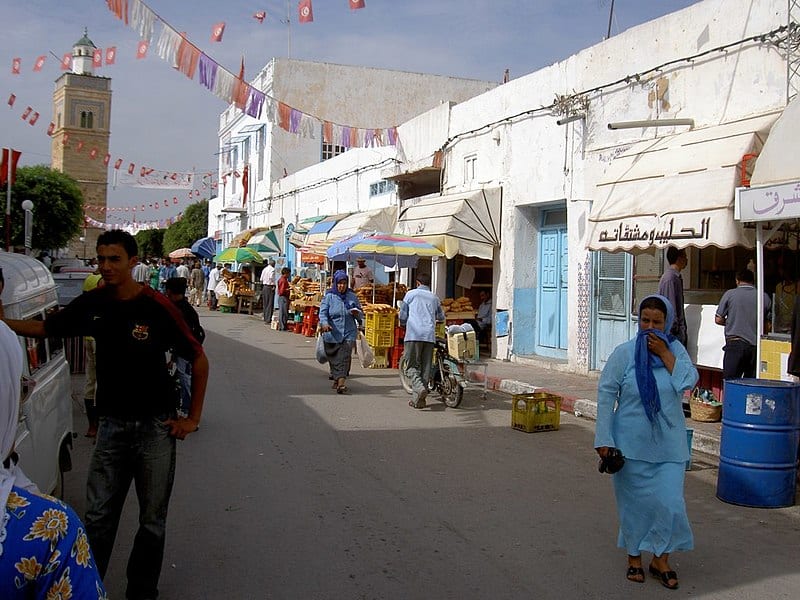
(380,322)
(538,411)
(441,330)
(379,338)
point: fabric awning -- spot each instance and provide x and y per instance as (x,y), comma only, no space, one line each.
(467,223)
(320,230)
(778,161)
(380,220)
(676,190)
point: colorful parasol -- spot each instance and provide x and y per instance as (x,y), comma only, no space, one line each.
(239,255)
(182,253)
(265,242)
(386,248)
(205,247)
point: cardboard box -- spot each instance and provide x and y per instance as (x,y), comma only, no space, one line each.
(463,346)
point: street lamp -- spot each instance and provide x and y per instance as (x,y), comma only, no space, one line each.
(27,206)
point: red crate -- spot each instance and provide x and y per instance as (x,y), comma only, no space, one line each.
(399,335)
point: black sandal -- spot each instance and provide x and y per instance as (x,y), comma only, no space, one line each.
(664,577)
(635,574)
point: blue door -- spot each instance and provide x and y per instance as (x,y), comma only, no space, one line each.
(553,313)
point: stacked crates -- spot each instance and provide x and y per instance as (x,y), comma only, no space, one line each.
(379,329)
(310,321)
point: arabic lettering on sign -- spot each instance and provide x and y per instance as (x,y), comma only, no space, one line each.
(776,201)
(663,234)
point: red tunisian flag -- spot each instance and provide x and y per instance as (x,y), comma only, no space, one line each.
(111,55)
(66,61)
(260,16)
(118,163)
(216,32)
(33,119)
(16,64)
(131,168)
(141,48)
(15,154)
(354,4)
(306,11)
(37,66)
(97,58)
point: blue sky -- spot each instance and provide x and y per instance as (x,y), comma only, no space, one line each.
(165,121)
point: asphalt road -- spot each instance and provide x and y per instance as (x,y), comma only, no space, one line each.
(292,491)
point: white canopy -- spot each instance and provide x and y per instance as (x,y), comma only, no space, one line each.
(467,223)
(779,161)
(676,190)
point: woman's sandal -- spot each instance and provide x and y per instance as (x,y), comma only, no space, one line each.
(665,577)
(635,574)
(341,389)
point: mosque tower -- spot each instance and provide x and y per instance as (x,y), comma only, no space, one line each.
(80,139)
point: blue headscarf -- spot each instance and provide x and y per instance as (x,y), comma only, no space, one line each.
(645,361)
(337,277)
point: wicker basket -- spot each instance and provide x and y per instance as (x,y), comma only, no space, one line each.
(704,413)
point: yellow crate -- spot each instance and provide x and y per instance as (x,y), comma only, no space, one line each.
(380,322)
(381,358)
(441,330)
(538,411)
(377,338)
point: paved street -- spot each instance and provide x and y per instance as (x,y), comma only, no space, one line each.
(291,491)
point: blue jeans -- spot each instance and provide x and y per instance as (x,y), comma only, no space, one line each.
(283,312)
(143,452)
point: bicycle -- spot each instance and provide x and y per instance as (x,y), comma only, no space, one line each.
(446,377)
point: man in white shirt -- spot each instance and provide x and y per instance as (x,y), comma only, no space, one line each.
(183,270)
(268,290)
(213,281)
(362,274)
(141,272)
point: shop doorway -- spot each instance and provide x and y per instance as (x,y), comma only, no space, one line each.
(553,262)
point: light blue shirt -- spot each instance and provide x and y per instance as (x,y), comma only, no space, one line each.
(420,311)
(336,313)
(621,420)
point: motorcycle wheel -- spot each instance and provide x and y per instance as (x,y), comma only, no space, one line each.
(404,380)
(452,393)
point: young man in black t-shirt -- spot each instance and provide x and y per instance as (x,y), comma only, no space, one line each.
(134,326)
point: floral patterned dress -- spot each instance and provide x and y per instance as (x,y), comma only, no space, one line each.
(44,551)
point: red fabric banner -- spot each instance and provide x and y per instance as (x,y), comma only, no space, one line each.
(141,48)
(306,11)
(131,168)
(15,154)
(16,65)
(260,16)
(51,128)
(37,66)
(93,153)
(97,57)
(11,99)
(79,147)
(111,55)
(355,4)
(33,119)
(217,30)
(26,113)
(66,61)
(107,159)
(118,163)
(245,184)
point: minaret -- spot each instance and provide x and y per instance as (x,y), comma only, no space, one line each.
(82,120)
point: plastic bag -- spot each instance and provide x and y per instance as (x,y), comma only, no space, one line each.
(365,354)
(319,351)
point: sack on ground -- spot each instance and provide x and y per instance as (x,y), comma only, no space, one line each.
(365,354)
(322,357)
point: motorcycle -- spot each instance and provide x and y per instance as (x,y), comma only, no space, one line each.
(446,377)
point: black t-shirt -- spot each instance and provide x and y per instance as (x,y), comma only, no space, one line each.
(133,338)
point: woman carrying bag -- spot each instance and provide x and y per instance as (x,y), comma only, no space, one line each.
(640,416)
(339,316)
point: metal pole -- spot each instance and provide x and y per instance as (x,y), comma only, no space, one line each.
(288,31)
(610,17)
(759,294)
(8,202)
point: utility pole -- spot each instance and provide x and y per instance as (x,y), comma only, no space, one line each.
(610,18)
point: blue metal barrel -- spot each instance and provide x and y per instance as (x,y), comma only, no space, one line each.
(758,449)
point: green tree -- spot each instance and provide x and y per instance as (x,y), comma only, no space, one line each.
(192,227)
(57,207)
(150,242)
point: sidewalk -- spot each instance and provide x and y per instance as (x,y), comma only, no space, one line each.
(578,392)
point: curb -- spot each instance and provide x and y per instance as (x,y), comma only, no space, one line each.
(580,407)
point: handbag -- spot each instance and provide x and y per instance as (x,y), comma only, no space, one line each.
(319,351)
(365,354)
(613,462)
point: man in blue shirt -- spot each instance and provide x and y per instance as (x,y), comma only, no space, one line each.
(671,287)
(737,312)
(420,311)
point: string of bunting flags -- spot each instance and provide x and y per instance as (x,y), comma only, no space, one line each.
(176,49)
(133,226)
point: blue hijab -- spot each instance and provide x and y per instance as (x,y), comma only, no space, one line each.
(645,361)
(337,277)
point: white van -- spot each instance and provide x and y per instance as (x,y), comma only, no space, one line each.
(44,433)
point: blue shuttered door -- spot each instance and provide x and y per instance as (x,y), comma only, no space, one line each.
(553,289)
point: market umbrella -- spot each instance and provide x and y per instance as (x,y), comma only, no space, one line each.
(265,242)
(242,238)
(205,247)
(182,253)
(239,255)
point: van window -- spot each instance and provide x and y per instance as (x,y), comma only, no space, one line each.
(54,344)
(36,350)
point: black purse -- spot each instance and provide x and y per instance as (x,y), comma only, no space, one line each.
(613,462)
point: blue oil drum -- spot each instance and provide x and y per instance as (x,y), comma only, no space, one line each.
(758,448)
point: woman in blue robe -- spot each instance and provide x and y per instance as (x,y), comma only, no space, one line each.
(339,315)
(640,412)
